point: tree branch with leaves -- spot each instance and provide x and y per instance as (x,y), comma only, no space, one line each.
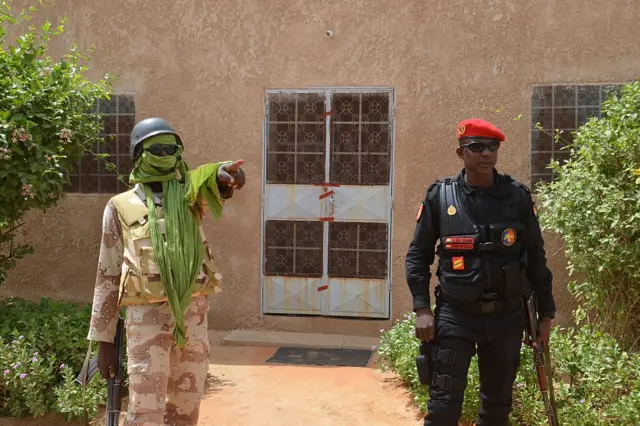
(47,123)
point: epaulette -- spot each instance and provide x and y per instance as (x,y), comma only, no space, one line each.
(510,180)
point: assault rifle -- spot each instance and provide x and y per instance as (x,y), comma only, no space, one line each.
(541,357)
(114,383)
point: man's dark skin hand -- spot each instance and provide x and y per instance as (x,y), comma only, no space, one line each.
(107,359)
(231,175)
(544,332)
(425,325)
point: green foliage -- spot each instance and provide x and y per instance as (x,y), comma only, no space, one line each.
(595,381)
(42,349)
(46,124)
(594,203)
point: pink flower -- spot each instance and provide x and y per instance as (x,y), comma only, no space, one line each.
(6,372)
(65,136)
(48,157)
(23,375)
(20,135)
(26,191)
(5,153)
(61,366)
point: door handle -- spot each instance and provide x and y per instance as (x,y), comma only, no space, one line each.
(332,203)
(329,197)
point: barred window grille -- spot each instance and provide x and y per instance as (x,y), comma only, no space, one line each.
(293,248)
(563,108)
(90,175)
(359,137)
(358,250)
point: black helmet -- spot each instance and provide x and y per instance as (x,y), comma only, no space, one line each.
(147,128)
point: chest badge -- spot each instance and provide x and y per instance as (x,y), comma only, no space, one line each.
(458,263)
(509,237)
(451,211)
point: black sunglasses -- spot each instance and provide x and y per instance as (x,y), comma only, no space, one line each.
(479,146)
(162,149)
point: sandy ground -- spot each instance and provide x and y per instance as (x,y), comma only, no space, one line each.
(242,390)
(245,391)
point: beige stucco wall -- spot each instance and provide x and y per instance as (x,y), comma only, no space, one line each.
(205,66)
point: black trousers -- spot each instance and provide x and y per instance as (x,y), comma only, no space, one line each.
(496,339)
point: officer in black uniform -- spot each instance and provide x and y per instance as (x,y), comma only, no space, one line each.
(490,250)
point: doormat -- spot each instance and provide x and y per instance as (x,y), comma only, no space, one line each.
(321,356)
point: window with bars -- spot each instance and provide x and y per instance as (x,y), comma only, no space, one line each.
(293,248)
(561,108)
(358,250)
(358,137)
(90,175)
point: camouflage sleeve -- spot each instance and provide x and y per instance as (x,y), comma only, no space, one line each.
(105,297)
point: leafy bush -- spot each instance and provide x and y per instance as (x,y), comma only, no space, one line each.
(594,203)
(42,349)
(595,381)
(46,125)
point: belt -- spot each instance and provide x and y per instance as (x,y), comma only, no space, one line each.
(483,307)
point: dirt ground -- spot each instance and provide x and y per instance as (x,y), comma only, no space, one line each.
(242,390)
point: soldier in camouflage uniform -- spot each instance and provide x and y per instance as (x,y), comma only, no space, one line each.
(166,377)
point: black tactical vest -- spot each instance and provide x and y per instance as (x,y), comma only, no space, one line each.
(476,260)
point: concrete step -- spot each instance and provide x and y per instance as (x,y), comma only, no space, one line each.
(296,340)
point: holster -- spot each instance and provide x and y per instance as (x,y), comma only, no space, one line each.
(424,363)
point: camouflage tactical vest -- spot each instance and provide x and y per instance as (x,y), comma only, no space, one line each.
(140,281)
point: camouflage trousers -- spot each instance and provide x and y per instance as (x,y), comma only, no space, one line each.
(166,383)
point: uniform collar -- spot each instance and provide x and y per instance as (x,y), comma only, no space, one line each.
(157,199)
(470,189)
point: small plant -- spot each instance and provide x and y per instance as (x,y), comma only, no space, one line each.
(596,382)
(72,402)
(42,350)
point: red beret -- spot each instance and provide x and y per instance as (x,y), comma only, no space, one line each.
(479,128)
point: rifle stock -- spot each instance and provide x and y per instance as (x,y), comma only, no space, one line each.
(541,358)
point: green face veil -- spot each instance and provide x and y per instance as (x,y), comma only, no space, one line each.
(156,168)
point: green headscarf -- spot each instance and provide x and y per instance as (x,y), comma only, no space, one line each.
(179,256)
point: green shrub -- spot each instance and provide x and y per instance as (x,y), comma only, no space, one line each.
(42,349)
(595,381)
(594,204)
